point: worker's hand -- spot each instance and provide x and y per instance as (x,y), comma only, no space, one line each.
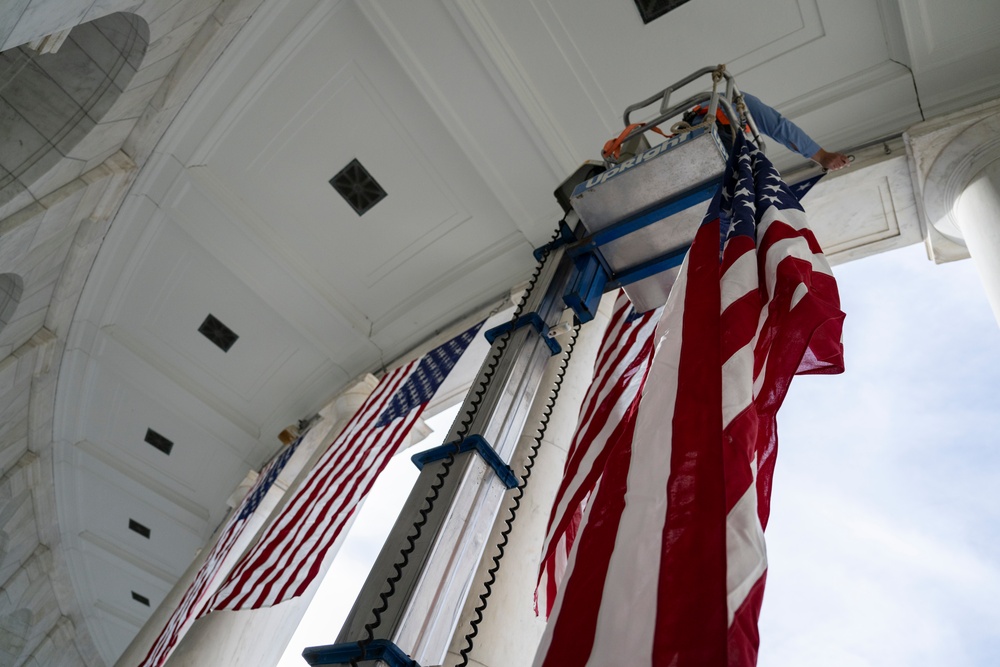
(831,161)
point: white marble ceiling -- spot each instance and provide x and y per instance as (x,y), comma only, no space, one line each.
(468,113)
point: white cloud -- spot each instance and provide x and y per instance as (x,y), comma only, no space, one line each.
(884,536)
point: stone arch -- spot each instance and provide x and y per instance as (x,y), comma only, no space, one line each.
(49,102)
(11,288)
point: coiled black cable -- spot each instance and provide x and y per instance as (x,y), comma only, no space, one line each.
(518,494)
(417,529)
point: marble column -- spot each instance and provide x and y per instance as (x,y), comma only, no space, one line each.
(227,631)
(978,214)
(509,632)
(956,169)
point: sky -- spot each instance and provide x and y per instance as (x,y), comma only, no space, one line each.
(884,537)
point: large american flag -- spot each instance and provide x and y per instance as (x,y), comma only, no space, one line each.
(290,553)
(606,417)
(193,602)
(669,565)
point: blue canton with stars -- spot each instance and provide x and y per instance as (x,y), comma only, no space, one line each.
(751,185)
(262,486)
(425,380)
(802,188)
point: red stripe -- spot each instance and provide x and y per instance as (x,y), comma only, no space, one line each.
(739,324)
(735,248)
(612,346)
(600,420)
(691,622)
(344,467)
(744,637)
(608,358)
(739,449)
(779,230)
(280,538)
(574,627)
(349,502)
(293,530)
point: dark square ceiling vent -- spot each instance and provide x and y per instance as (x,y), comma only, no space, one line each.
(137,527)
(163,444)
(218,333)
(357,187)
(654,9)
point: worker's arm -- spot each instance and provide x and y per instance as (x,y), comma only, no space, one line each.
(779,128)
(791,136)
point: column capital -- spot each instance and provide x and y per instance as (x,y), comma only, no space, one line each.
(946,154)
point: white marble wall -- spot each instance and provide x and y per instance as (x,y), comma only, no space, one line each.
(51,228)
(45,244)
(65,109)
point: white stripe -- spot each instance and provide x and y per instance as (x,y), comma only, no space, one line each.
(800,292)
(737,372)
(739,279)
(746,553)
(286,545)
(792,247)
(546,642)
(341,511)
(737,388)
(541,601)
(634,570)
(620,331)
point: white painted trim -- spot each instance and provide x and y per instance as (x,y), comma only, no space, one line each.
(500,60)
(248,40)
(159,488)
(265,238)
(438,101)
(150,356)
(108,548)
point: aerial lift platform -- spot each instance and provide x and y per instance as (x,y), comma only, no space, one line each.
(628,223)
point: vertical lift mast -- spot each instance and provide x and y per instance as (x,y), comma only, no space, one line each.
(628,224)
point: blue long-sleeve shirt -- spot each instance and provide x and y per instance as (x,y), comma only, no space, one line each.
(779,128)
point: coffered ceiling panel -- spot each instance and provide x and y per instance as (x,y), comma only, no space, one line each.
(955,51)
(173,287)
(114,582)
(341,96)
(107,512)
(199,463)
(941,35)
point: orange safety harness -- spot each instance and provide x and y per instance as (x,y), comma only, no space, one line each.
(720,115)
(613,147)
